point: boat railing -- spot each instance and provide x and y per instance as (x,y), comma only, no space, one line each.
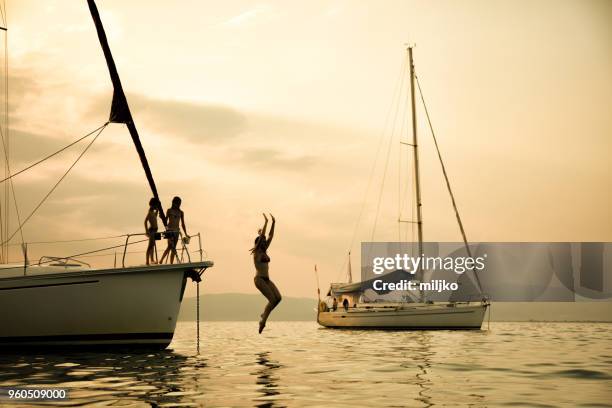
(183,254)
(184,241)
(476,297)
(61,261)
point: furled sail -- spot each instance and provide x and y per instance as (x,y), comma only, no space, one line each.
(120,110)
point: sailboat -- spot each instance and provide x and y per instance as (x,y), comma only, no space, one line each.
(349,310)
(62,301)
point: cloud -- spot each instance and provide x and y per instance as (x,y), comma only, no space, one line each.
(233,141)
(247,139)
(23,85)
(27,147)
(268,158)
(194,122)
(246,16)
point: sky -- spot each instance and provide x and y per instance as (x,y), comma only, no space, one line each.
(284,106)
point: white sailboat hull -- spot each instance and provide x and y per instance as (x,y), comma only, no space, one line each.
(411,317)
(123,306)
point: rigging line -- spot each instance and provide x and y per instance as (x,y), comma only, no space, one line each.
(382,184)
(57,184)
(8,137)
(372,170)
(403,126)
(52,154)
(4,204)
(6,148)
(4,14)
(75,240)
(7,189)
(107,248)
(74,256)
(113,253)
(1,236)
(399,188)
(448,186)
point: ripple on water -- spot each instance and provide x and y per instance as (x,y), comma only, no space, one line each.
(302,364)
(584,374)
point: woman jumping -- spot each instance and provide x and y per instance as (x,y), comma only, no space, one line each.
(262,280)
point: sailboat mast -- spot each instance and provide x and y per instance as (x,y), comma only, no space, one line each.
(415,150)
(350,269)
(120,110)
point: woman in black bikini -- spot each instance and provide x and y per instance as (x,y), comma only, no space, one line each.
(262,279)
(150,224)
(173,230)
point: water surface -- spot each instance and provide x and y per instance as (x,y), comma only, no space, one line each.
(301,364)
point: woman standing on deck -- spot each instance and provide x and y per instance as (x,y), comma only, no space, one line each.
(150,224)
(262,279)
(173,230)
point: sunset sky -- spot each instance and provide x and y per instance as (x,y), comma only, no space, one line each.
(246,107)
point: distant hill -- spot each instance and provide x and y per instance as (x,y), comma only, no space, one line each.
(551,311)
(248,307)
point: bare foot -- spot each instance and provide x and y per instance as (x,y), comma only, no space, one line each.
(262,324)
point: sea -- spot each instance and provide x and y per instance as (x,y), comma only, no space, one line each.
(302,364)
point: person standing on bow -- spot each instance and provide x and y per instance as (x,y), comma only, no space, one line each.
(262,263)
(175,216)
(150,224)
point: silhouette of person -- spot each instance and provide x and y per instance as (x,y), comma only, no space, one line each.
(262,278)
(150,224)
(173,230)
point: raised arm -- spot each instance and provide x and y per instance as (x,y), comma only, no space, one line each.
(265,226)
(269,240)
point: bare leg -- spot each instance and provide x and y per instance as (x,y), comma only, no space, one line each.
(166,252)
(270,291)
(173,253)
(150,250)
(172,243)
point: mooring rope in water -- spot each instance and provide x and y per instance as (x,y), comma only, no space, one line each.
(198,317)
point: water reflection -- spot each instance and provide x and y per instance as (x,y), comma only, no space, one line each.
(266,380)
(422,357)
(337,368)
(153,378)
